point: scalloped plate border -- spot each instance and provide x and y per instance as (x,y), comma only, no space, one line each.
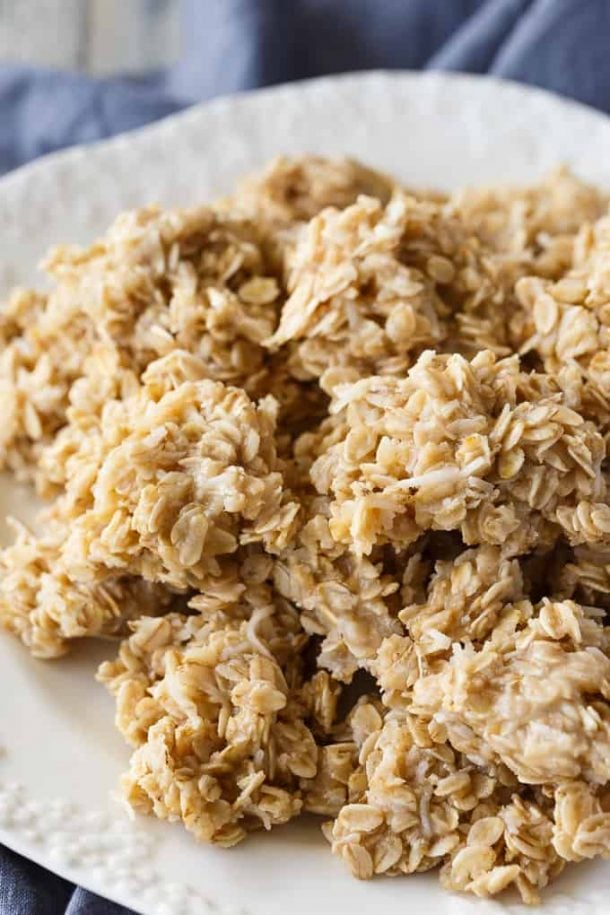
(62,755)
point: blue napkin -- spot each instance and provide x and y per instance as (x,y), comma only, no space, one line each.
(232,45)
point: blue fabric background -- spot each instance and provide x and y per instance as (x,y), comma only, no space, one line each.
(231,45)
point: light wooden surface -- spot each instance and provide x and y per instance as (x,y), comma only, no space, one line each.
(95,36)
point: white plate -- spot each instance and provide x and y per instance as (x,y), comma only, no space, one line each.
(62,755)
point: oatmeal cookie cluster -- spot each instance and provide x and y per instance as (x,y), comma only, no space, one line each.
(329,457)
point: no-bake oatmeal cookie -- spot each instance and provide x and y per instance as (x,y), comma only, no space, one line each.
(330,458)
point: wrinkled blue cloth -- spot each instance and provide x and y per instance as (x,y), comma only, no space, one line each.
(231,45)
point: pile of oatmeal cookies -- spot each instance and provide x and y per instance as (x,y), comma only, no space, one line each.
(330,458)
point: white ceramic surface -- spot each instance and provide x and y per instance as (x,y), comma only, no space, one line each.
(61,755)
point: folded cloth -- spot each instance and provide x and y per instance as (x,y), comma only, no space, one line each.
(240,44)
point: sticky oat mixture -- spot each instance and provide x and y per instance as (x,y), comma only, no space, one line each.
(330,458)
